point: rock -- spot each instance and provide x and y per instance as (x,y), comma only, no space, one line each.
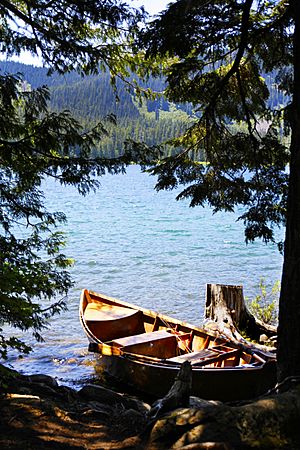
(101,394)
(100,407)
(125,420)
(96,414)
(43,379)
(28,387)
(137,405)
(45,390)
(133,417)
(68,393)
(42,386)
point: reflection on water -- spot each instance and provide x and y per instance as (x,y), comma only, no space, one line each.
(146,248)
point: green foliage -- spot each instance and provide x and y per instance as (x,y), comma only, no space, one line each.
(221,57)
(71,35)
(37,142)
(265,304)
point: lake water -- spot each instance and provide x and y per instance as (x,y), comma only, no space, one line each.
(142,246)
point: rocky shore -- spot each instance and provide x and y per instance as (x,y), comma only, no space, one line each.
(37,413)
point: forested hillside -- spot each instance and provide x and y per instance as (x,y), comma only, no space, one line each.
(92,98)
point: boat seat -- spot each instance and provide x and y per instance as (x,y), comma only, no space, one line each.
(142,338)
(159,344)
(207,356)
(194,357)
(100,311)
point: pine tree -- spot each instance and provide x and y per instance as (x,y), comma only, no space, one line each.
(36,143)
(220,54)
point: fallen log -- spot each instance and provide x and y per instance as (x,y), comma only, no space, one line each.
(227,312)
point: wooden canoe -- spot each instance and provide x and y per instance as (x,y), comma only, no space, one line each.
(145,350)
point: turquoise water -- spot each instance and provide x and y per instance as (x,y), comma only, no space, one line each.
(142,246)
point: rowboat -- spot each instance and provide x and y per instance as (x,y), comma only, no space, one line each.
(145,349)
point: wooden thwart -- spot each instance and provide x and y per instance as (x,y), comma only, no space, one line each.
(160,344)
(142,338)
(208,356)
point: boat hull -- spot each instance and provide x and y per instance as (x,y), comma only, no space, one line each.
(230,384)
(142,355)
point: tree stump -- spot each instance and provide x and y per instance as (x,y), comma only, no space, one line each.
(225,306)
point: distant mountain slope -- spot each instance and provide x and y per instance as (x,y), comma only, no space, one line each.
(91,96)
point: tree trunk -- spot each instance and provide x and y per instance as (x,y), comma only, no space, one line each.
(289,304)
(225,306)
